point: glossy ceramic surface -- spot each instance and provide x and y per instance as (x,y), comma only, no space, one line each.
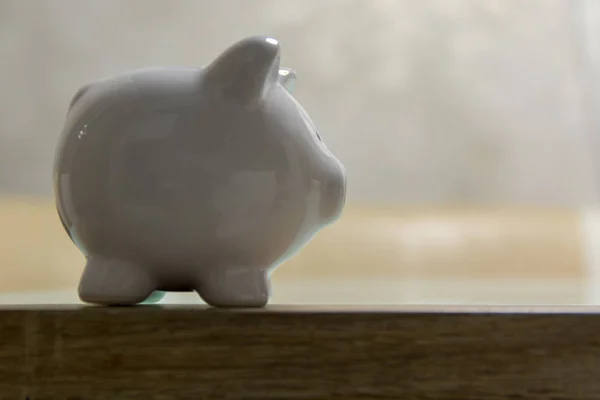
(206,179)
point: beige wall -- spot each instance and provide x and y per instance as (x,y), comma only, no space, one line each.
(447,101)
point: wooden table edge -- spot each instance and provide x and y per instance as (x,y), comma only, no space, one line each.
(312,309)
(62,352)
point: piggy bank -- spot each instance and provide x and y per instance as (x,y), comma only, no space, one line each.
(193,179)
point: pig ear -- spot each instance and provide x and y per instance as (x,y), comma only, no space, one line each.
(245,70)
(287,79)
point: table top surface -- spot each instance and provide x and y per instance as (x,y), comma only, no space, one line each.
(378,292)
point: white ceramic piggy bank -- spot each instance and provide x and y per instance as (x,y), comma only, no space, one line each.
(182,179)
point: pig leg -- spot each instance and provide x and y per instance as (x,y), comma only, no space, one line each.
(235,287)
(109,282)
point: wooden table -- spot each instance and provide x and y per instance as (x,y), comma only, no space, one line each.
(192,352)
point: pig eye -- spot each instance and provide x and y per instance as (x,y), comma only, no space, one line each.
(318,136)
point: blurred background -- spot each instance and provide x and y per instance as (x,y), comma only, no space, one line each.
(469,130)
